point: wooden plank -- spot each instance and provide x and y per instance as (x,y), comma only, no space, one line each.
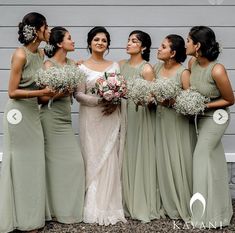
(4,98)
(120,2)
(4,77)
(225,35)
(227,56)
(230,130)
(119,15)
(227,140)
(231,127)
(74,123)
(228,143)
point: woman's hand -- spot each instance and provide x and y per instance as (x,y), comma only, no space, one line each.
(47,92)
(167,103)
(108,107)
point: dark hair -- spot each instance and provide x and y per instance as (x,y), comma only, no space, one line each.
(177,44)
(56,36)
(146,43)
(206,37)
(92,33)
(32,19)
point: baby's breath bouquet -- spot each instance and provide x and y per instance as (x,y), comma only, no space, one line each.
(60,80)
(163,89)
(139,91)
(190,102)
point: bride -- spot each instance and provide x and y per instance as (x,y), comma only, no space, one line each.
(99,126)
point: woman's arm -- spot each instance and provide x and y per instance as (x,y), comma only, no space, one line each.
(17,64)
(185,79)
(190,62)
(88,100)
(221,79)
(148,72)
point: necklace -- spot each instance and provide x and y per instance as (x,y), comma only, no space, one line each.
(97,62)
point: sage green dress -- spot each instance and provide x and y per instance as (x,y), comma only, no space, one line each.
(22,180)
(210,177)
(65,178)
(141,195)
(175,142)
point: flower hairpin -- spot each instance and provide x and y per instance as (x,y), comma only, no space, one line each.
(29,32)
(49,48)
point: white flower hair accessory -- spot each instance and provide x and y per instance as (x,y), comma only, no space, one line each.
(29,32)
(49,48)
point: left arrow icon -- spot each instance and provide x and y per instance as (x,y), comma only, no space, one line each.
(14,116)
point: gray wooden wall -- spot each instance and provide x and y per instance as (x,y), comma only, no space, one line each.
(120,17)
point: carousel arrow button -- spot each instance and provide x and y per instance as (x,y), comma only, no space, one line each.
(220,116)
(14,116)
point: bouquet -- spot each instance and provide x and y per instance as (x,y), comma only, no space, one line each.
(190,102)
(163,89)
(63,79)
(139,91)
(111,87)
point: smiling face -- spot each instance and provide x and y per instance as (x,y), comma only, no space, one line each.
(67,43)
(134,45)
(99,43)
(164,52)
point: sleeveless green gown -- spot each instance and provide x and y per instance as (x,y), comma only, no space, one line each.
(141,195)
(210,177)
(22,181)
(175,142)
(65,177)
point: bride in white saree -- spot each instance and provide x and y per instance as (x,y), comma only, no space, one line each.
(99,129)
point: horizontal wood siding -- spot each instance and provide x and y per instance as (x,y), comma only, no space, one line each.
(158,18)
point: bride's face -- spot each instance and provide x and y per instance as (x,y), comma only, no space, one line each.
(99,43)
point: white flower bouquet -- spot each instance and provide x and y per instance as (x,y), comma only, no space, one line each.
(164,89)
(111,87)
(190,102)
(60,80)
(139,91)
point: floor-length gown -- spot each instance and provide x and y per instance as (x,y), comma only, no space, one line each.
(210,178)
(141,195)
(99,139)
(22,180)
(65,175)
(175,142)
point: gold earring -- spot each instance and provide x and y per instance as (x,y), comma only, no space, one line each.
(196,54)
(35,39)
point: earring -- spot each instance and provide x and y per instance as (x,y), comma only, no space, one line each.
(142,52)
(35,39)
(196,54)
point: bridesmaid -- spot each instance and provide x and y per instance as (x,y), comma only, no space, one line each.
(174,134)
(99,123)
(22,182)
(64,163)
(209,165)
(139,172)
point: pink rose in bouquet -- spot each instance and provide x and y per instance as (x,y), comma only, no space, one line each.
(112,87)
